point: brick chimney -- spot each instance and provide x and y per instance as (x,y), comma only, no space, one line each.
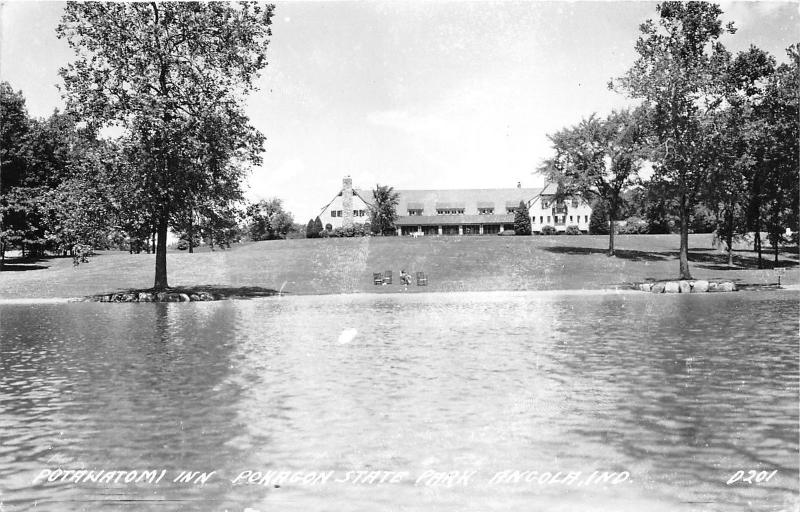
(347,202)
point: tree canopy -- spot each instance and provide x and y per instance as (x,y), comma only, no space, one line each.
(678,76)
(383,211)
(599,159)
(174,76)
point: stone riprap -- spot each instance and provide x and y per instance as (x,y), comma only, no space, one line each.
(155,297)
(685,286)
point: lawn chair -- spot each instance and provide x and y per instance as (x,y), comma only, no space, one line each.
(422,280)
(387,277)
(377,279)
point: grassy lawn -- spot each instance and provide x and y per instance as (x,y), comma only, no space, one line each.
(345,265)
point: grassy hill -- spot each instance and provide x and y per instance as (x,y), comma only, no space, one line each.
(345,265)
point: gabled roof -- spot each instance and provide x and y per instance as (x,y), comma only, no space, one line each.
(470,199)
(453,220)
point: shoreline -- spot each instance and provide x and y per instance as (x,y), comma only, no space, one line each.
(357,294)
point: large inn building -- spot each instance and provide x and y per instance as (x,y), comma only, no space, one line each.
(460,211)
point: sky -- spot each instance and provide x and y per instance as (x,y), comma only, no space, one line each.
(414,95)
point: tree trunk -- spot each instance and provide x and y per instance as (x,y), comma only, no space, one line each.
(191,234)
(683,254)
(2,255)
(161,252)
(612,228)
(729,237)
(776,235)
(757,241)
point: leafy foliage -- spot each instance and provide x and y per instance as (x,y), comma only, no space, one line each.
(383,211)
(598,222)
(678,75)
(173,75)
(522,220)
(599,159)
(267,220)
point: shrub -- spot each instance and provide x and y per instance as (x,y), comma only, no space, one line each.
(573,230)
(549,230)
(633,226)
(522,220)
(598,222)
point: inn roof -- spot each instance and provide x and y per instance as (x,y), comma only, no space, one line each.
(498,198)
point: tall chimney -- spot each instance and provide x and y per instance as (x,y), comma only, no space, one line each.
(347,202)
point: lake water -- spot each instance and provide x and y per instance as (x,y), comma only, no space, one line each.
(671,395)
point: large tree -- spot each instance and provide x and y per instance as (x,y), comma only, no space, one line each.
(735,148)
(599,159)
(383,210)
(267,220)
(14,127)
(174,76)
(677,74)
(780,115)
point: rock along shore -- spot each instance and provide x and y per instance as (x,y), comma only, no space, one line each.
(156,297)
(687,286)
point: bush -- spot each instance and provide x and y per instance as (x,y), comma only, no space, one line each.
(634,226)
(522,220)
(549,230)
(573,230)
(598,222)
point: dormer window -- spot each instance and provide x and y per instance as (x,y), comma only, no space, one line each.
(415,211)
(486,211)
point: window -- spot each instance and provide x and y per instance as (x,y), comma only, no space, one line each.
(585,218)
(548,219)
(574,202)
(545,204)
(415,211)
(570,218)
(511,209)
(333,213)
(450,211)
(541,220)
(485,211)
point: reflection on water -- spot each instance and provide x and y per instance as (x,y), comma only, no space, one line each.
(680,391)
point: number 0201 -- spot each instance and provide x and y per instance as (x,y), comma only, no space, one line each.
(753,477)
